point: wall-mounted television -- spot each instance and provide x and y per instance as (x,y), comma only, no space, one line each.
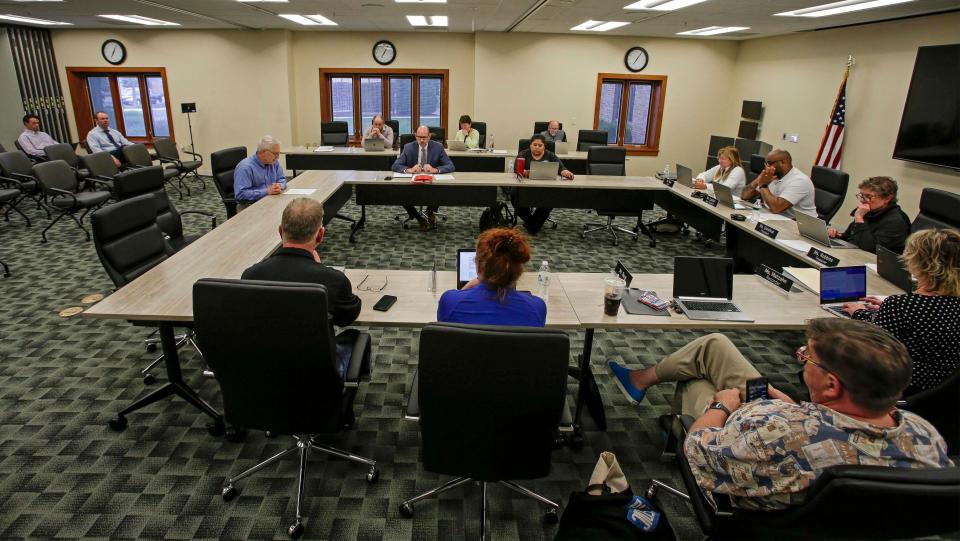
(930,125)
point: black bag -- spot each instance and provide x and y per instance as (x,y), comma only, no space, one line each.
(604,517)
(494,217)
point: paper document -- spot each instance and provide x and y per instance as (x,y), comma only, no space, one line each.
(299,191)
(442,177)
(323,149)
(771,217)
(872,266)
(403,175)
(805,277)
(798,245)
(499,151)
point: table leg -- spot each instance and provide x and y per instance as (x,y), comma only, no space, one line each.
(587,393)
(359,225)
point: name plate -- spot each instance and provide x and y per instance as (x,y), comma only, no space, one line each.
(712,201)
(669,183)
(774,277)
(823,257)
(766,230)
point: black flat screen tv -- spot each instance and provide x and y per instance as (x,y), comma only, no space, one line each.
(930,125)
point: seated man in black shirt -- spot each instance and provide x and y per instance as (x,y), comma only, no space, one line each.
(297,260)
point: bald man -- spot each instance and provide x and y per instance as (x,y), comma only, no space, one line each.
(423,156)
(782,187)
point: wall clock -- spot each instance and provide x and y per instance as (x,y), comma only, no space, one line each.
(636,59)
(113,52)
(384,52)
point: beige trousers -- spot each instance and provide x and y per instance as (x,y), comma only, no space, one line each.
(701,368)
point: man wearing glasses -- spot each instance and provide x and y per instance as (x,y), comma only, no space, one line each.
(878,219)
(766,453)
(782,187)
(259,175)
(297,260)
(423,156)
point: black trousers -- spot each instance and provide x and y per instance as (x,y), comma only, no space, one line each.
(415,214)
(533,220)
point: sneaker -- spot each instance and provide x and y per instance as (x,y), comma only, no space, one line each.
(621,376)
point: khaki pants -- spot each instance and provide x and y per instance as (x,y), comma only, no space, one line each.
(701,368)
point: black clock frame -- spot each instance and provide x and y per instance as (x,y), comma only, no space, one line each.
(374,52)
(626,59)
(123,48)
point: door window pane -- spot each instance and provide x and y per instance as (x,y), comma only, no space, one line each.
(132,107)
(158,107)
(638,112)
(401,101)
(341,94)
(611,95)
(101,97)
(430,102)
(371,100)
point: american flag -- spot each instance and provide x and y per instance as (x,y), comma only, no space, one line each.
(831,148)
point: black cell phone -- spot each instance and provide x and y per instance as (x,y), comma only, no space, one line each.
(384,303)
(757,389)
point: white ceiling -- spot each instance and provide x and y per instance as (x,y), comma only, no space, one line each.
(552,16)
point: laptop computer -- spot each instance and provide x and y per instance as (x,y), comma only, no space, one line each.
(816,229)
(839,285)
(373,145)
(453,144)
(544,170)
(725,196)
(561,147)
(703,287)
(466,266)
(685,175)
(892,270)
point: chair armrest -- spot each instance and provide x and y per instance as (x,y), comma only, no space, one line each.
(63,193)
(204,213)
(12,181)
(104,183)
(178,163)
(23,178)
(194,154)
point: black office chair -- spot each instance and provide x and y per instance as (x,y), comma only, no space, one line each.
(138,156)
(830,188)
(406,138)
(757,163)
(605,160)
(591,138)
(281,386)
(62,192)
(100,169)
(524,144)
(167,153)
(941,406)
(395,126)
(438,134)
(540,127)
(938,210)
(223,162)
(333,133)
(471,425)
(845,502)
(10,195)
(16,171)
(65,152)
(481,128)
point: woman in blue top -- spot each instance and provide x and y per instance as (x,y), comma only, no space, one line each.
(492,297)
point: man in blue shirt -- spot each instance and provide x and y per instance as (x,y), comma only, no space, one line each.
(259,175)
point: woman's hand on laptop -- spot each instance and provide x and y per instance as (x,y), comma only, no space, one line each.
(872,303)
(851,308)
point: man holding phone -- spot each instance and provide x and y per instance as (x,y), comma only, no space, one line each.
(259,175)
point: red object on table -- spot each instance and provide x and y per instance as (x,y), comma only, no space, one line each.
(521,165)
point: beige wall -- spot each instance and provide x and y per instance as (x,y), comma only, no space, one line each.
(11,106)
(797,78)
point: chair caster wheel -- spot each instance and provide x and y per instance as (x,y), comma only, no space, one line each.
(216,428)
(685,232)
(583,236)
(405,226)
(406,510)
(576,442)
(118,424)
(616,242)
(151,347)
(373,474)
(653,244)
(295,530)
(651,492)
(229,492)
(551,516)
(149,379)
(559,442)
(235,435)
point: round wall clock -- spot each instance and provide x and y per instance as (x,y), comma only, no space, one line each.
(384,52)
(113,52)
(636,59)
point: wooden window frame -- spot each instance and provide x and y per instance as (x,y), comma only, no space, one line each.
(326,105)
(83,110)
(654,118)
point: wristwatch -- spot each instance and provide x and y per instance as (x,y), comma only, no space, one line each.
(719,406)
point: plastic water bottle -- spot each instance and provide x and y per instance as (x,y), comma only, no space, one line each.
(666,170)
(756,212)
(543,280)
(510,165)
(490,141)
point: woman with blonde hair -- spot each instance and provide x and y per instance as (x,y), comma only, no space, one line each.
(727,172)
(927,321)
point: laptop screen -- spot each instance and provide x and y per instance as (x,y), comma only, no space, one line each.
(703,277)
(466,266)
(842,284)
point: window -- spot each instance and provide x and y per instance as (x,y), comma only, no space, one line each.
(630,109)
(410,97)
(135,98)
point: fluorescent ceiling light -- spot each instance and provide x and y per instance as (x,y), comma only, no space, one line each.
(713,30)
(28,20)
(38,0)
(837,8)
(274,1)
(309,20)
(420,1)
(661,5)
(137,19)
(420,20)
(599,26)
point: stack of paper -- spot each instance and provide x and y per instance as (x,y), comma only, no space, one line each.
(323,149)
(805,277)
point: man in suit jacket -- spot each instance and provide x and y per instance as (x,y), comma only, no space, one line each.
(423,156)
(297,260)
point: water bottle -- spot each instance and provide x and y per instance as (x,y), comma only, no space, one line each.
(543,280)
(666,170)
(756,212)
(510,165)
(490,141)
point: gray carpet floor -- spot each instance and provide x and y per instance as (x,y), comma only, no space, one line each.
(65,475)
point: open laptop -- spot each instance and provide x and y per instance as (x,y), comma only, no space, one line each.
(373,145)
(703,287)
(544,170)
(453,144)
(685,175)
(839,285)
(561,147)
(725,196)
(466,266)
(816,229)
(892,270)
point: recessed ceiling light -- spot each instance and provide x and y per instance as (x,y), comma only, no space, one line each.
(309,20)
(837,8)
(273,1)
(420,20)
(713,30)
(137,19)
(28,20)
(663,5)
(420,1)
(599,26)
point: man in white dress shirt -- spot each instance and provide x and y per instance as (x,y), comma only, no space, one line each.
(32,140)
(103,138)
(782,187)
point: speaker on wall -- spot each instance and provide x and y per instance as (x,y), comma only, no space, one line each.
(717,142)
(752,110)
(748,129)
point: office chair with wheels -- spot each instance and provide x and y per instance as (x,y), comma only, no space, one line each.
(65,152)
(138,156)
(395,126)
(591,138)
(333,133)
(223,162)
(16,171)
(941,406)
(481,128)
(830,188)
(605,160)
(33,159)
(438,134)
(167,153)
(757,163)
(524,144)
(938,210)
(470,424)
(62,192)
(282,386)
(406,138)
(541,126)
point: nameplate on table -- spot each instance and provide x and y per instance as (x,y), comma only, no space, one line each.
(774,277)
(710,200)
(823,257)
(669,182)
(766,230)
